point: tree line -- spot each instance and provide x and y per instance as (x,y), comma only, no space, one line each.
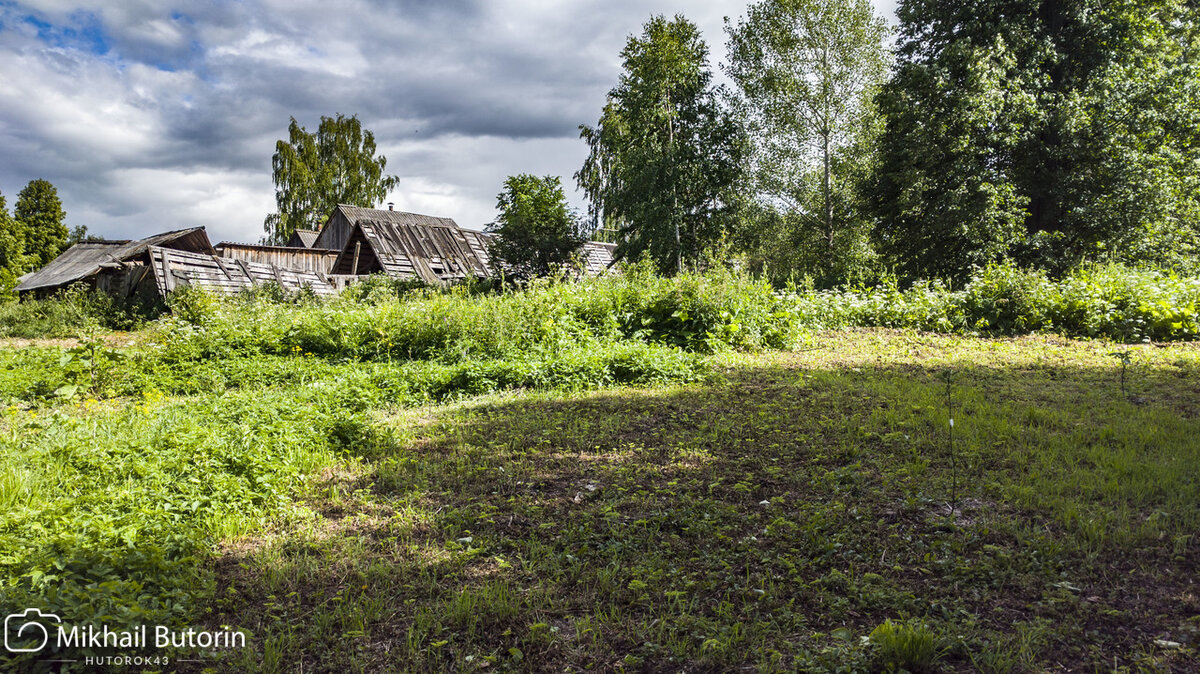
(1047,134)
(1043,133)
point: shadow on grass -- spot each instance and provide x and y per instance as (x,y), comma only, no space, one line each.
(769,521)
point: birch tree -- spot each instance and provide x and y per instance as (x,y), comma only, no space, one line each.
(806,73)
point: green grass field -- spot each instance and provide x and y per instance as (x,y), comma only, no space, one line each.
(779,511)
(772,518)
(633,473)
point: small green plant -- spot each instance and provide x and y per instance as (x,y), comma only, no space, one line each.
(908,646)
(948,377)
(88,365)
(1126,357)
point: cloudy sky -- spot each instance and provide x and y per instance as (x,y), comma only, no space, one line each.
(154,115)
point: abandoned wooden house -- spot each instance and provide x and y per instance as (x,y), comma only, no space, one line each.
(402,245)
(411,246)
(156,265)
(115,267)
(354,243)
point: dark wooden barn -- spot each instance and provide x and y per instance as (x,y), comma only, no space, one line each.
(303,238)
(116,267)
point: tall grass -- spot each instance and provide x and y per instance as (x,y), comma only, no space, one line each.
(73,309)
(718,310)
(1112,302)
(702,313)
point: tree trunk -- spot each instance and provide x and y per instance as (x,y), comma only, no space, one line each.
(675,200)
(826,132)
(826,190)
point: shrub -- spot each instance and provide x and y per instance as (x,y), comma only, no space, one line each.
(74,309)
(907,646)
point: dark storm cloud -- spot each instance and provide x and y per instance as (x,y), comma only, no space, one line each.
(149,115)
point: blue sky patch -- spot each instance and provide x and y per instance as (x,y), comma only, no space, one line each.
(84,34)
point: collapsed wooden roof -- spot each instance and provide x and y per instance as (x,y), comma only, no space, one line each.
(434,250)
(409,246)
(87,259)
(598,257)
(339,227)
(174,268)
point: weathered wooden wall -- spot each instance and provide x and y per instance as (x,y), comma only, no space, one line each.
(303,259)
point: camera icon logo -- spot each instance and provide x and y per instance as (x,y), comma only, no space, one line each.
(26,632)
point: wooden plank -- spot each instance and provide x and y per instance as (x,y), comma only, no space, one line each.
(246,271)
(168,275)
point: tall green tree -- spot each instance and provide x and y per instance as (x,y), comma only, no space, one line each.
(316,171)
(40,215)
(807,72)
(1044,131)
(12,251)
(537,232)
(665,155)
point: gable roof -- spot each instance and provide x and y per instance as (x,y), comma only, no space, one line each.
(357,213)
(303,238)
(339,227)
(85,259)
(432,252)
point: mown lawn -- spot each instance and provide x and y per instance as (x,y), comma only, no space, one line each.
(771,518)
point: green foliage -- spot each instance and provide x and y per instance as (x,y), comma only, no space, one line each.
(380,287)
(806,72)
(314,172)
(71,310)
(79,234)
(40,216)
(1043,134)
(12,252)
(768,522)
(87,367)
(675,526)
(32,236)
(709,312)
(665,155)
(114,528)
(1099,301)
(910,647)
(537,233)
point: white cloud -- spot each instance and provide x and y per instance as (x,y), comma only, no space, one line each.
(150,115)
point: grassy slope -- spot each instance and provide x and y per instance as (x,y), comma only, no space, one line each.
(770,519)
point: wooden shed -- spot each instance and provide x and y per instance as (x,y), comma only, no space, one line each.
(115,267)
(410,246)
(340,225)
